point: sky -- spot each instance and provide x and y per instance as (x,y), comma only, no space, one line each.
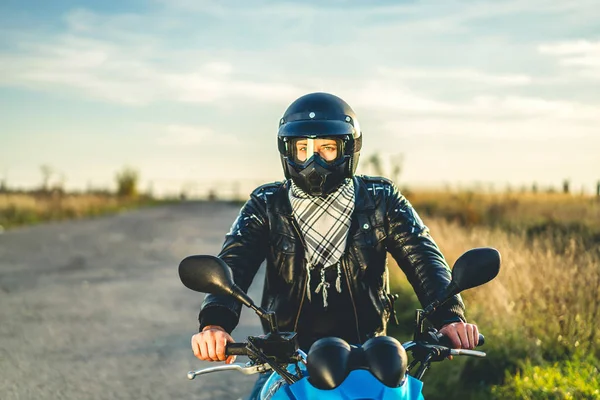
(190,92)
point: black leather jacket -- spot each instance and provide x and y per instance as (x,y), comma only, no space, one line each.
(383,221)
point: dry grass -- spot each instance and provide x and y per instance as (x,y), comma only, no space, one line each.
(553,297)
(544,306)
(25,209)
(77,203)
(556,214)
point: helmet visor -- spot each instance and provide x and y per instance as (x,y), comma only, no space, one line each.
(301,149)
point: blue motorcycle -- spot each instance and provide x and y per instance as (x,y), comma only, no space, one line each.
(333,369)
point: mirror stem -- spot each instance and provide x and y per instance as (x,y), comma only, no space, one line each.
(268,316)
(451,290)
(272,319)
(430,308)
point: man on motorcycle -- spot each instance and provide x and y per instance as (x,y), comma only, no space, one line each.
(325,234)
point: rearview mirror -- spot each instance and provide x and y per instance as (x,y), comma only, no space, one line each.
(474,268)
(206,274)
(209,274)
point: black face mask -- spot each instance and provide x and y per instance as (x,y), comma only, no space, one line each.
(318,177)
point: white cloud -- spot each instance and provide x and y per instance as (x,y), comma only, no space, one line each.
(391,99)
(433,16)
(581,55)
(516,106)
(523,131)
(115,58)
(570,48)
(380,95)
(455,74)
(124,74)
(219,68)
(99,58)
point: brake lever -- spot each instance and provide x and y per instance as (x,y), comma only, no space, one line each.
(245,369)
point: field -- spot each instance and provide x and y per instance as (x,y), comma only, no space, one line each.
(541,315)
(560,215)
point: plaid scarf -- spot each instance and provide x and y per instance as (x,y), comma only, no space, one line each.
(324,223)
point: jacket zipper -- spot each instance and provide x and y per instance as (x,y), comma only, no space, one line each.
(300,309)
(293,222)
(347,269)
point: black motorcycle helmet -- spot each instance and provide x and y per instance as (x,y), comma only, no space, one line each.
(319,116)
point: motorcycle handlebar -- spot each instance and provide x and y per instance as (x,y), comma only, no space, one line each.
(236,349)
(444,341)
(241,349)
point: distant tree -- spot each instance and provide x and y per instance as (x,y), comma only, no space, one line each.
(375,162)
(566,186)
(127,182)
(58,187)
(397,165)
(4,182)
(212,195)
(47,172)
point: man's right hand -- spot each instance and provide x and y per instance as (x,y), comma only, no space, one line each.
(209,345)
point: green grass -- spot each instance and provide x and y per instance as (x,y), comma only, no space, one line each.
(577,380)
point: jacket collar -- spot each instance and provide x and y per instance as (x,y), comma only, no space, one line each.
(362,200)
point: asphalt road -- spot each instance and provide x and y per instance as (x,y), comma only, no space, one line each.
(94,309)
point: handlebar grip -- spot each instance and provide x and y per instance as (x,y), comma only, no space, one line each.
(236,349)
(446,343)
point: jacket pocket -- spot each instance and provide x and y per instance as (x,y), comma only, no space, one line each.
(368,234)
(284,244)
(287,256)
(367,246)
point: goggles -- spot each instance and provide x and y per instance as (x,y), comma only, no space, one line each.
(301,149)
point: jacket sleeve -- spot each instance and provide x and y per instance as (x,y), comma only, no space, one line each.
(244,250)
(419,257)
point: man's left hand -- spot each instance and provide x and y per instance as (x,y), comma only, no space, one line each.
(461,335)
